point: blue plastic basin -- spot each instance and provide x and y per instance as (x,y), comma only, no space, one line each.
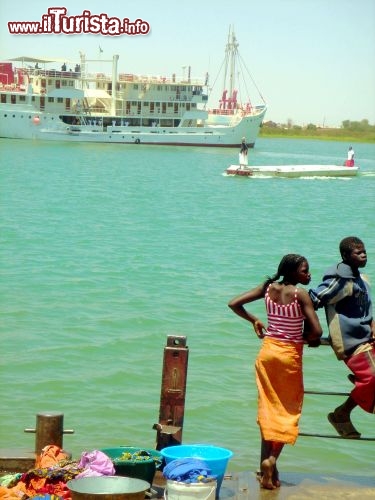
(215,457)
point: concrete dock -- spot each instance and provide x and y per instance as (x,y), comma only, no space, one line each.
(294,486)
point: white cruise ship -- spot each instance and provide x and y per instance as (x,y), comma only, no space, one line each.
(75,105)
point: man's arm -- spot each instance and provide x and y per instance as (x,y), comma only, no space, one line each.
(331,290)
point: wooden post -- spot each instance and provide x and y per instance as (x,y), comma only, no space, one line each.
(49,430)
(173,390)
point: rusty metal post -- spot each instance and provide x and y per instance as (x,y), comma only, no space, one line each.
(173,390)
(49,430)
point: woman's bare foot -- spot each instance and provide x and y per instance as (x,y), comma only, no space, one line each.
(267,467)
(275,478)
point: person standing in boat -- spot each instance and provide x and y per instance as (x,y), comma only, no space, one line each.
(243,160)
(292,321)
(350,161)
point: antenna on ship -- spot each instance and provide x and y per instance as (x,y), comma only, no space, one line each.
(231,52)
(82,57)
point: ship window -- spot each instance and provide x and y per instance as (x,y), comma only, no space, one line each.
(71,83)
(146,103)
(3,98)
(51,99)
(60,100)
(22,98)
(135,86)
(13,99)
(63,83)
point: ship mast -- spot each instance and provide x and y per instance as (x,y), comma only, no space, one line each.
(231,53)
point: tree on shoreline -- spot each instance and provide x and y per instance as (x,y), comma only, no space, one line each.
(360,131)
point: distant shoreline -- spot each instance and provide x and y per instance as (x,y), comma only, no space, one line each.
(326,134)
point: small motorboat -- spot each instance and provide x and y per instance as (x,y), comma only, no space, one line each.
(292,171)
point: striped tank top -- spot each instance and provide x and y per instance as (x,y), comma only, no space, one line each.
(285,322)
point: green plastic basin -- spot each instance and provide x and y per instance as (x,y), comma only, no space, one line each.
(141,469)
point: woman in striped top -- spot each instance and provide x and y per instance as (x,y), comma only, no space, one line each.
(292,322)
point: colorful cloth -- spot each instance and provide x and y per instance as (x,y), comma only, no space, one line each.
(10,493)
(280,389)
(10,480)
(95,463)
(53,470)
(51,455)
(363,367)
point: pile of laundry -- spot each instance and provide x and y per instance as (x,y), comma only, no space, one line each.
(53,469)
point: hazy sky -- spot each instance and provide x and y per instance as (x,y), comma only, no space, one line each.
(312,60)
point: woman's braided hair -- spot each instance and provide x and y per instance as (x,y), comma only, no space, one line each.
(288,265)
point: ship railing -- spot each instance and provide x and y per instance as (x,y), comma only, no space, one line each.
(52,73)
(144,79)
(239,111)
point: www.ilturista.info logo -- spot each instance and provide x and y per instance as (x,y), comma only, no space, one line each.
(57,22)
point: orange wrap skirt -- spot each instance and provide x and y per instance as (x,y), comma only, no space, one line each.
(279,379)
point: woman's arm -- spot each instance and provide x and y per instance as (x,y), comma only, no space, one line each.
(312,328)
(237,306)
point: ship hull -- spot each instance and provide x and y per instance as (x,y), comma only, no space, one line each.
(27,124)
